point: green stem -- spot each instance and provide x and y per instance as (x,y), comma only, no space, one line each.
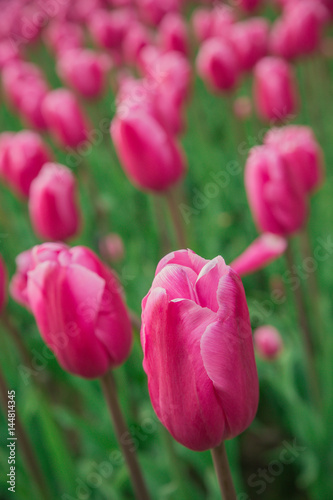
(177,220)
(223,473)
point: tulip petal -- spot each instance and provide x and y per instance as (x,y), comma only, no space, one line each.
(185,258)
(208,281)
(228,357)
(179,282)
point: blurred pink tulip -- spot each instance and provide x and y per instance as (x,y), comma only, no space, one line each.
(108,29)
(198,351)
(153,11)
(25,154)
(5,140)
(274,89)
(173,34)
(264,250)
(85,71)
(249,5)
(78,308)
(268,342)
(112,247)
(3,284)
(64,118)
(149,155)
(8,52)
(243,107)
(301,151)
(217,64)
(211,23)
(136,39)
(250,40)
(18,285)
(63,36)
(277,200)
(52,203)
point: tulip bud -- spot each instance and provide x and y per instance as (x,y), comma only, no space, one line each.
(149,155)
(52,204)
(268,342)
(108,29)
(63,36)
(25,155)
(301,151)
(173,34)
(250,40)
(211,23)
(278,202)
(198,351)
(137,38)
(262,251)
(3,284)
(112,248)
(274,89)
(85,71)
(64,118)
(218,65)
(79,309)
(202,21)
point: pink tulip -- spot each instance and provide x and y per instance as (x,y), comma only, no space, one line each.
(18,285)
(3,284)
(301,151)
(136,39)
(153,11)
(52,203)
(78,308)
(112,247)
(242,107)
(5,141)
(202,21)
(9,52)
(278,202)
(173,34)
(198,350)
(63,36)
(25,155)
(218,65)
(149,155)
(249,5)
(268,342)
(264,250)
(25,88)
(274,89)
(250,40)
(108,29)
(85,71)
(64,118)
(211,23)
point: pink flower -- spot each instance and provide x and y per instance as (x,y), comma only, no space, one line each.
(52,203)
(278,202)
(3,284)
(262,251)
(23,155)
(136,39)
(78,308)
(18,285)
(211,23)
(249,5)
(153,11)
(173,34)
(65,120)
(62,36)
(108,29)
(301,151)
(149,155)
(250,40)
(85,71)
(274,89)
(268,342)
(218,65)
(198,351)
(9,52)
(112,247)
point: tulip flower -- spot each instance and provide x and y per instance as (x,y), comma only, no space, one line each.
(108,29)
(149,155)
(136,39)
(278,202)
(8,53)
(153,11)
(79,310)
(211,23)
(5,140)
(52,203)
(112,247)
(18,285)
(25,154)
(3,284)
(250,40)
(198,350)
(63,36)
(301,151)
(218,65)
(64,118)
(85,71)
(173,34)
(274,89)
(249,5)
(268,342)
(264,250)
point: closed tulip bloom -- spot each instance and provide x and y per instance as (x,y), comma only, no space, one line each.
(211,23)
(79,310)
(136,39)
(5,141)
(198,350)
(268,342)
(249,5)
(25,156)
(153,11)
(149,155)
(52,203)
(8,53)
(85,71)
(64,35)
(64,118)
(262,251)
(18,285)
(301,151)
(3,284)
(108,29)
(202,21)
(278,202)
(173,34)
(218,65)
(112,247)
(250,39)
(274,89)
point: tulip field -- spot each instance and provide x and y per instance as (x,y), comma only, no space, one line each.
(166,249)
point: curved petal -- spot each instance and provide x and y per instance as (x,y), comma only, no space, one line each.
(186,258)
(208,281)
(178,281)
